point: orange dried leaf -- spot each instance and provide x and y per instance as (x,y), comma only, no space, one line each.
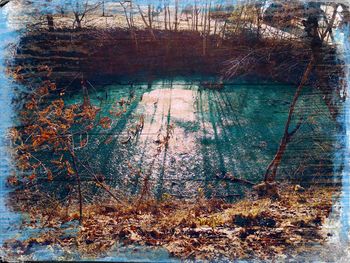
(75,216)
(32,177)
(53,86)
(83,142)
(70,170)
(30,105)
(49,175)
(106,122)
(42,91)
(12,180)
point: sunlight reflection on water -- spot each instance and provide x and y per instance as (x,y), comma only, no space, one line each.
(234,130)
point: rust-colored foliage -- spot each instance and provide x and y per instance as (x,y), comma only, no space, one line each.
(105,122)
(47,143)
(48,127)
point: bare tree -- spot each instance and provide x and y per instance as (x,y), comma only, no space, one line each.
(270,174)
(176,14)
(316,61)
(128,12)
(80,10)
(148,24)
(50,22)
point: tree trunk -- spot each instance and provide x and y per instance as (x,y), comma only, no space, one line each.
(169,18)
(147,25)
(271,170)
(150,16)
(50,22)
(258,22)
(130,22)
(215,26)
(205,31)
(176,10)
(196,11)
(165,15)
(209,24)
(222,35)
(79,186)
(77,20)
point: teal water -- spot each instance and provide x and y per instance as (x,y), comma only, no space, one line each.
(235,130)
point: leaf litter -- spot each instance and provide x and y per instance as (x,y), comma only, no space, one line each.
(204,229)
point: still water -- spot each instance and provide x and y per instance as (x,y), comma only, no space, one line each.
(233,131)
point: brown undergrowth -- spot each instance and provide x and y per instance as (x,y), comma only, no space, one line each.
(200,229)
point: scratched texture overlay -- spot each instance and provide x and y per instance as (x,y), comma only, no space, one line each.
(170,130)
